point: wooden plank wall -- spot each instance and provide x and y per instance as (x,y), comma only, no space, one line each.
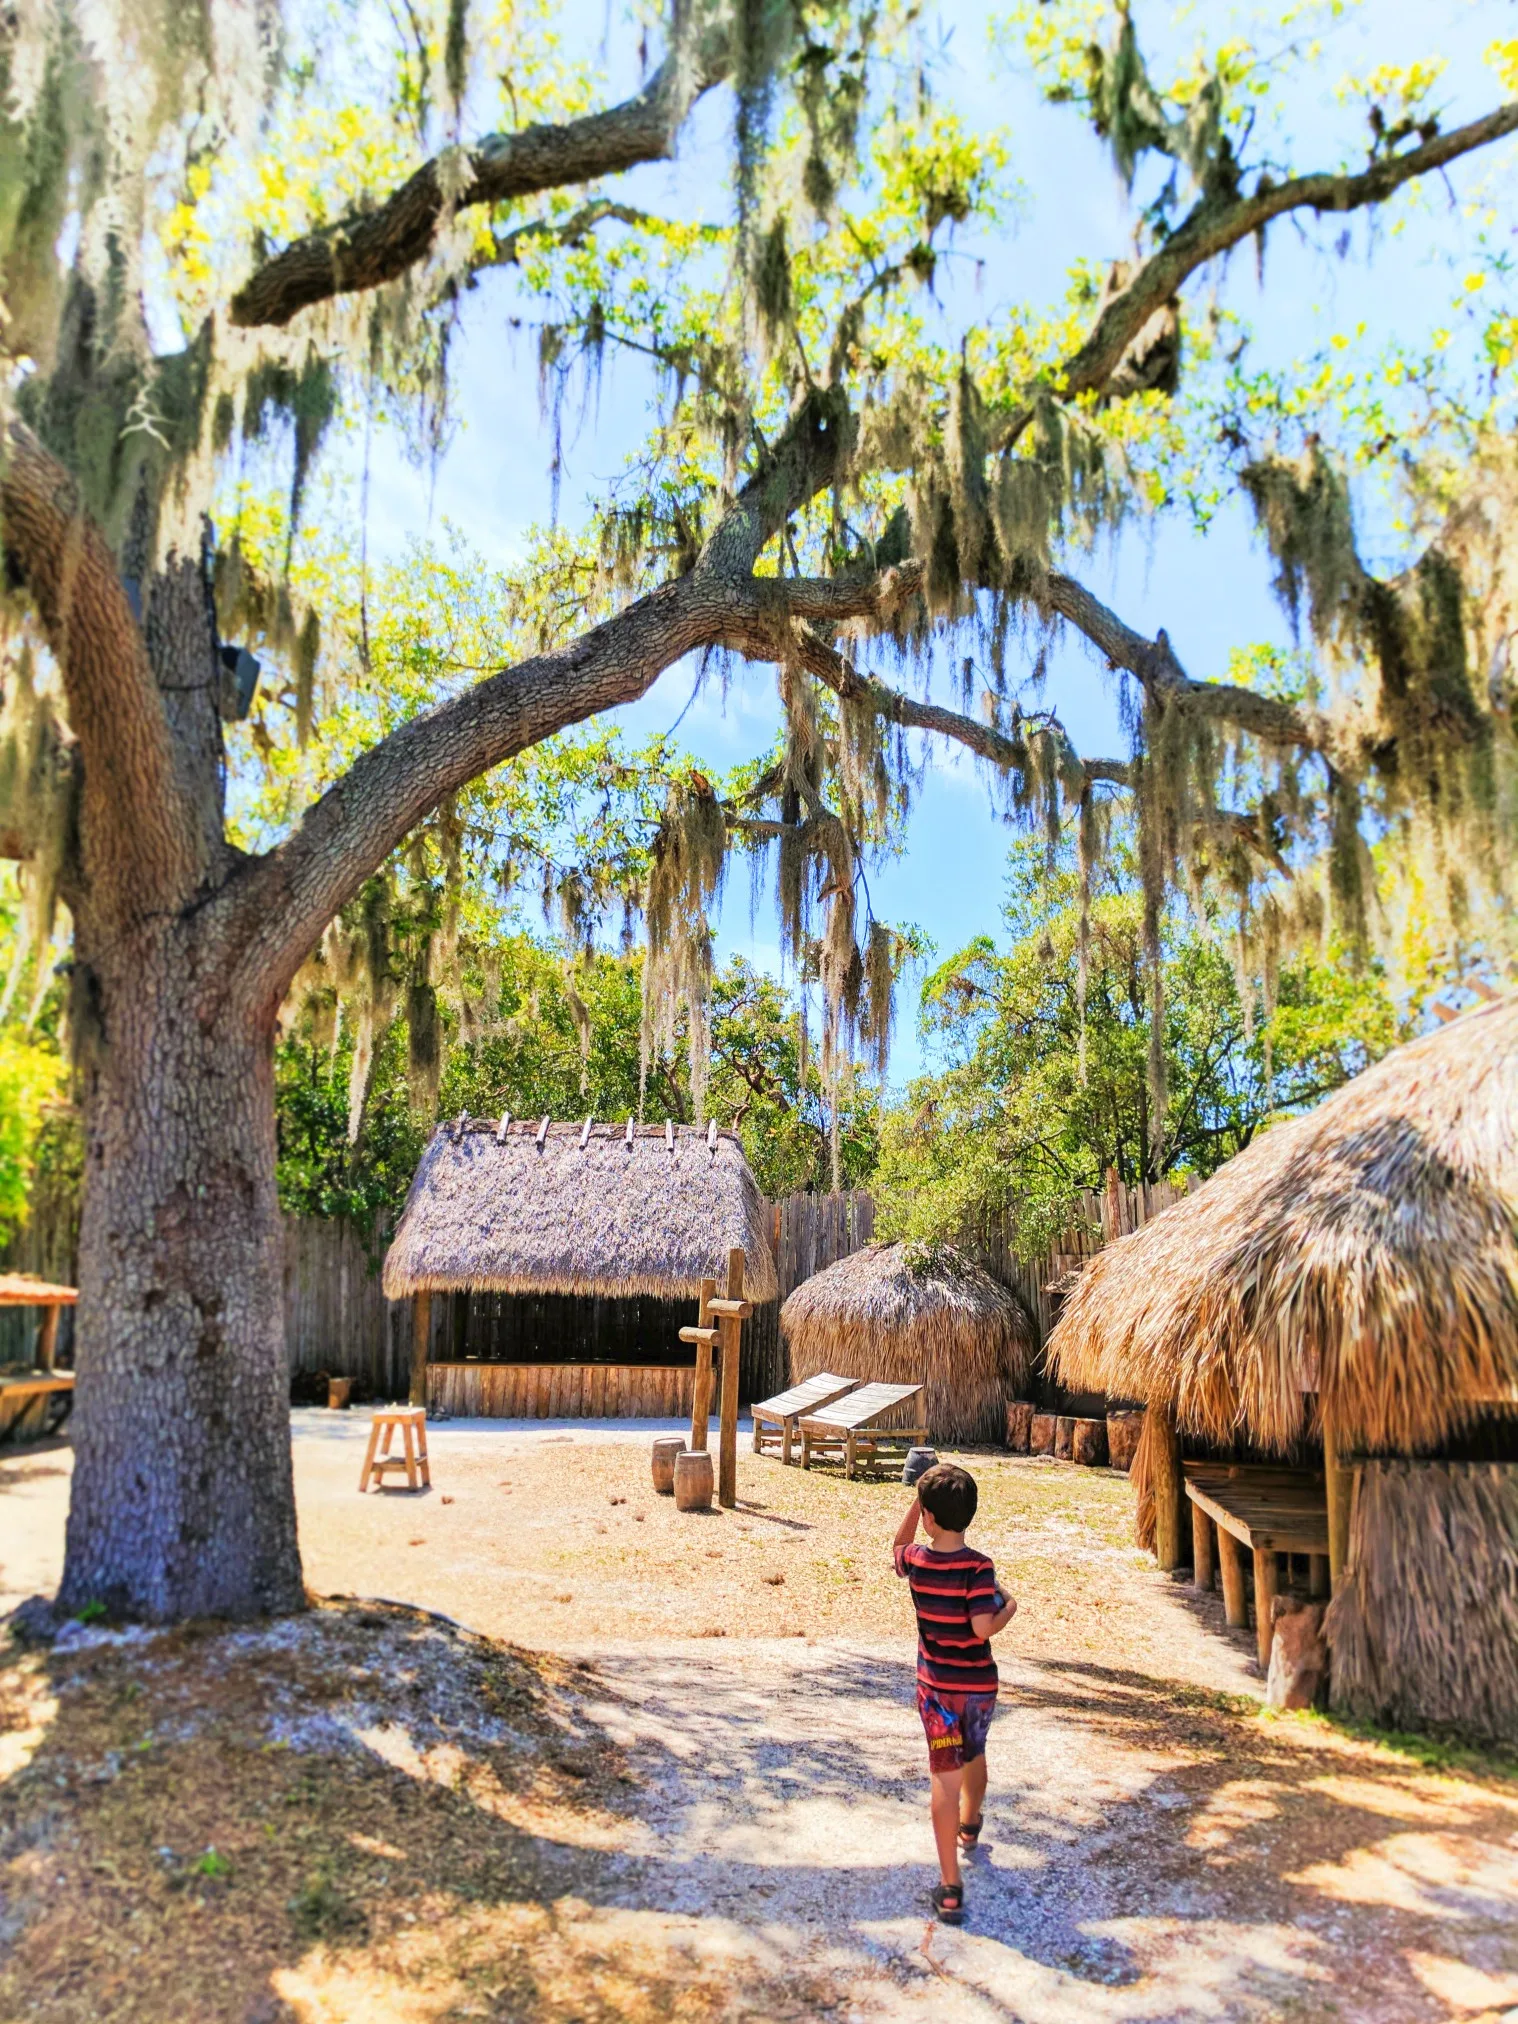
(536,1391)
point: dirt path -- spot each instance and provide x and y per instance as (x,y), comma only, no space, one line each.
(755,1844)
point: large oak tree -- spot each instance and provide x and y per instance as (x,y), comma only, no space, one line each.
(823,473)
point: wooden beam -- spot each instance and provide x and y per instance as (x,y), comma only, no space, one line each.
(1235,1592)
(732,1335)
(1337,1482)
(701,1392)
(1265,1587)
(421,1339)
(47,1337)
(1201,1548)
(1168,1485)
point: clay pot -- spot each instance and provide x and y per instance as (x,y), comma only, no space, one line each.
(694,1480)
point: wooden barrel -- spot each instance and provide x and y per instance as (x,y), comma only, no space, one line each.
(693,1480)
(666,1448)
(339,1393)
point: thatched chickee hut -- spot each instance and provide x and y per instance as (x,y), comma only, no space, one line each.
(553,1265)
(905,1314)
(1351,1280)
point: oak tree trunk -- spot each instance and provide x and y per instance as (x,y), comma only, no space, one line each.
(182,1500)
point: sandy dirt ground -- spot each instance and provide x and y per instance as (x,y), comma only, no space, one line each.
(752,1840)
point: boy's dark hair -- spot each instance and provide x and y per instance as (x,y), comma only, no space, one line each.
(948,1493)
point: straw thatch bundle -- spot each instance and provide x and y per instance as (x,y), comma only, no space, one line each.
(1425,1627)
(569,1212)
(905,1315)
(1367,1252)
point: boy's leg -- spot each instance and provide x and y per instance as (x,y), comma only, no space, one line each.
(945,1803)
(972,1790)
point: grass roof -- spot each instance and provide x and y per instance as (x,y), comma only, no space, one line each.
(568,1211)
(907,1315)
(1366,1252)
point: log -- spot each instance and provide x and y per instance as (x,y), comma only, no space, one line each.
(1123,1430)
(701,1396)
(667,1449)
(1019,1424)
(1169,1487)
(47,1337)
(1088,1443)
(1265,1587)
(1064,1435)
(732,1334)
(1337,1483)
(421,1338)
(1235,1592)
(1202,1533)
(1041,1434)
(693,1480)
(1317,1577)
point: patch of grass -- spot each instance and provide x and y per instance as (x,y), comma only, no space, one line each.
(322,1912)
(1453,1756)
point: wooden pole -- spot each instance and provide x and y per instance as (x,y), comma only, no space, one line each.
(732,1335)
(1264,1596)
(47,1337)
(1231,1567)
(421,1338)
(1337,1482)
(1169,1486)
(701,1395)
(1201,1548)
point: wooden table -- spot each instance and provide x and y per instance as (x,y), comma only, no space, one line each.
(1267,1510)
(19,1393)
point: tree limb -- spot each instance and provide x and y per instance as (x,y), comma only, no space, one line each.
(1217,223)
(367,248)
(138,832)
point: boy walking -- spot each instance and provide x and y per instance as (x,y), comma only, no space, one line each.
(959,1610)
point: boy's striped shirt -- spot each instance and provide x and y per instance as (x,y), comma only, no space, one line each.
(947,1590)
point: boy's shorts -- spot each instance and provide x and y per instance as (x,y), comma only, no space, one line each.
(956,1726)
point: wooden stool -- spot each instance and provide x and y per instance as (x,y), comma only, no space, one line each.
(412,1422)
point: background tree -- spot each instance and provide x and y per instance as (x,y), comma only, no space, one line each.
(1044,1083)
(831,465)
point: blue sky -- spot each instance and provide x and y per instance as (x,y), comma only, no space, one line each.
(1211,592)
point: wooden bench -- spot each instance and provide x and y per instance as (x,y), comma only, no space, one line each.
(848,1431)
(20,1395)
(1266,1511)
(775,1419)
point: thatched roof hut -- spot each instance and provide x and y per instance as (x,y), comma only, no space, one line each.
(1355,1272)
(1366,1253)
(906,1315)
(611,1209)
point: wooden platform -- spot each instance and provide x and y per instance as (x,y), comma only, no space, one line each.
(561,1391)
(1265,1511)
(26,1402)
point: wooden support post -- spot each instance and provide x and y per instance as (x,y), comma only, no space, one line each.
(1169,1486)
(1201,1548)
(701,1396)
(47,1337)
(1337,1482)
(727,1432)
(1264,1595)
(421,1336)
(1231,1567)
(1317,1582)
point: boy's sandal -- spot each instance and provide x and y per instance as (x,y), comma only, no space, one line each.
(949,1903)
(969,1831)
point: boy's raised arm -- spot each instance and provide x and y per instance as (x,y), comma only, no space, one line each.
(906,1531)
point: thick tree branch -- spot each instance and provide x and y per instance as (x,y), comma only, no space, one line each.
(1217,223)
(138,831)
(370,247)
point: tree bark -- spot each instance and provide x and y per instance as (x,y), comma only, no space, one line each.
(183,1501)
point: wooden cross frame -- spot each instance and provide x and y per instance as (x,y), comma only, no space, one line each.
(729,1312)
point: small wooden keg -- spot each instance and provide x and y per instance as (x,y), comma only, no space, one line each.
(693,1480)
(666,1448)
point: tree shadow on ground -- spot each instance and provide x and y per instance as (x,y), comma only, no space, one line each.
(364,1812)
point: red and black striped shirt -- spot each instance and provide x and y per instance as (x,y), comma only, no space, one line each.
(947,1590)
